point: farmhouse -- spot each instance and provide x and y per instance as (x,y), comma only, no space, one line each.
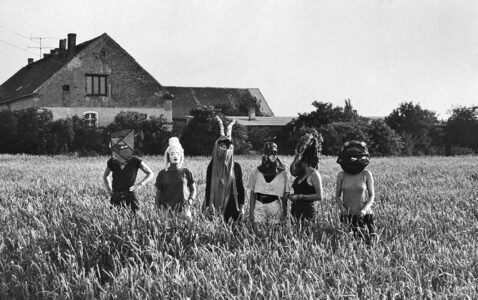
(97,79)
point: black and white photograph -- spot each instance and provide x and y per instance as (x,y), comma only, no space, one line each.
(239,149)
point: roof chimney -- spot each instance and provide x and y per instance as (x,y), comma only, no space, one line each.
(71,41)
(45,55)
(252,112)
(62,44)
(30,60)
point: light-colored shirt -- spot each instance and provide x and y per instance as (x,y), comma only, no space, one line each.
(277,187)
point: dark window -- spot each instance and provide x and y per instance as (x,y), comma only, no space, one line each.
(96,85)
(65,88)
(103,53)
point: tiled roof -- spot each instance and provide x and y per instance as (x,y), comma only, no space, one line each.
(187,98)
(30,77)
(262,121)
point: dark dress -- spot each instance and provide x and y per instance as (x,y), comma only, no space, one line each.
(231,212)
(123,179)
(303,210)
(173,186)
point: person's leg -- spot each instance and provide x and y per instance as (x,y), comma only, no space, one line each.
(369,222)
(260,213)
(231,213)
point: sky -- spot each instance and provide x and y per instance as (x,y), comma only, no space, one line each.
(377,53)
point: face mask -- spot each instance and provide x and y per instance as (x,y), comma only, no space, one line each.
(174,157)
(122,145)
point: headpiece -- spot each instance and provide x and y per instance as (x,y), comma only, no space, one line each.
(122,145)
(354,157)
(174,146)
(308,149)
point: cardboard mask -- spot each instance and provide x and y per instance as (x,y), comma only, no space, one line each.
(122,145)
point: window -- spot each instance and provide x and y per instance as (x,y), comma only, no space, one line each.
(90,118)
(102,53)
(65,88)
(96,85)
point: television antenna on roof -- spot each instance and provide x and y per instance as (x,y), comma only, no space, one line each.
(40,47)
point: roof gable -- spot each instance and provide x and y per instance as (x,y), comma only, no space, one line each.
(30,77)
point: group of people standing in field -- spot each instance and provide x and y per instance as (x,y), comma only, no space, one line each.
(268,184)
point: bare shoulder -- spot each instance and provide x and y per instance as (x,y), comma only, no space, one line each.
(368,173)
(315,174)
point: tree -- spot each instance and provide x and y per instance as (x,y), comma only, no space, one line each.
(202,131)
(415,125)
(462,128)
(61,136)
(88,140)
(337,133)
(156,132)
(32,130)
(383,141)
(8,131)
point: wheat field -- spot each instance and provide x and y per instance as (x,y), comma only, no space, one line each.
(60,239)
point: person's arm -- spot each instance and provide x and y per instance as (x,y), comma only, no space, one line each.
(192,187)
(317,184)
(338,191)
(371,192)
(240,187)
(106,180)
(149,175)
(252,206)
(286,195)
(158,198)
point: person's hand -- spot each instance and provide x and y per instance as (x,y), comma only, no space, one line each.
(136,187)
(241,211)
(363,212)
(293,198)
(251,217)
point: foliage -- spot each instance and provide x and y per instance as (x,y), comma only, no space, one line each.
(60,137)
(415,125)
(383,141)
(462,128)
(337,133)
(202,131)
(8,131)
(151,135)
(59,239)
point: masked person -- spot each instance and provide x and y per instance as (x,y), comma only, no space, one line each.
(224,185)
(124,168)
(354,192)
(307,185)
(175,186)
(269,188)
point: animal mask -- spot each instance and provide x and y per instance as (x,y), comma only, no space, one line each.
(354,157)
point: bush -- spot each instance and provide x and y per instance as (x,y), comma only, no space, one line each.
(383,141)
(8,131)
(459,150)
(202,131)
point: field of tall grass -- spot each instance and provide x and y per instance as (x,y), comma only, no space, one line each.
(60,239)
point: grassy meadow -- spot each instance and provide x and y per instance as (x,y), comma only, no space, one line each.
(60,239)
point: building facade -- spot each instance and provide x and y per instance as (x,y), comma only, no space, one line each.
(95,80)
